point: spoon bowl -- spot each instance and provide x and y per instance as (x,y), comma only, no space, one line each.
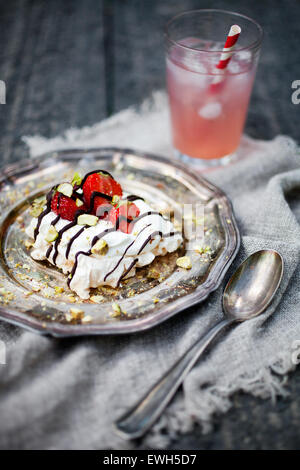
(253,285)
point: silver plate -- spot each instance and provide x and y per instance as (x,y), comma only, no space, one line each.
(27,288)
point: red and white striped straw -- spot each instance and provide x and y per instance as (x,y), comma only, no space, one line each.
(227,52)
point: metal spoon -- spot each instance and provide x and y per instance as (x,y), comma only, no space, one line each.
(247,294)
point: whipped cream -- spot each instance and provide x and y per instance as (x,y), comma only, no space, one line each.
(152,235)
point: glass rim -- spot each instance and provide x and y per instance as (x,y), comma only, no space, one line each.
(253,45)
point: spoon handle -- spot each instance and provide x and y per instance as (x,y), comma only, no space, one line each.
(139,419)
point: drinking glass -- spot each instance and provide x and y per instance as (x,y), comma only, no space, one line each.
(208,105)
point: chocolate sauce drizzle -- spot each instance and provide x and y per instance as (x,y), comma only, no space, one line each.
(152,235)
(87,253)
(45,212)
(91,173)
(115,228)
(127,271)
(132,197)
(121,218)
(54,221)
(98,194)
(74,196)
(124,254)
(59,237)
(97,237)
(72,240)
(49,251)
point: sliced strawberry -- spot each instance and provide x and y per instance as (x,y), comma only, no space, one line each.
(133,210)
(101,183)
(65,206)
(123,214)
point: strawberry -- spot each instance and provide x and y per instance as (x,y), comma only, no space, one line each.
(123,214)
(103,183)
(65,206)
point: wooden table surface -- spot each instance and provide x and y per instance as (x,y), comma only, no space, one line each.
(72,63)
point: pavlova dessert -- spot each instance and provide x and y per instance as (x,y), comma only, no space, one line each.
(96,234)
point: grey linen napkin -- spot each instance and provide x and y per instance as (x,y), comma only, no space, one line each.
(65,394)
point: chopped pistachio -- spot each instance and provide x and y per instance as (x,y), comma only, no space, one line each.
(23,277)
(52,234)
(153,274)
(115,199)
(76,313)
(87,219)
(37,206)
(117,309)
(76,179)
(167,211)
(58,289)
(36,289)
(48,295)
(100,247)
(71,298)
(66,189)
(35,210)
(27,294)
(86,319)
(28,244)
(97,299)
(8,296)
(202,249)
(184,262)
(79,203)
(155,300)
(41,200)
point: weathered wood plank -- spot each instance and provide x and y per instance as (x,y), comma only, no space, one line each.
(54,70)
(139,57)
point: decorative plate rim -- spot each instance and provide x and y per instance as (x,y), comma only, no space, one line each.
(163,313)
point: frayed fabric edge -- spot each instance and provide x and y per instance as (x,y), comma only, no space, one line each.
(268,382)
(77,137)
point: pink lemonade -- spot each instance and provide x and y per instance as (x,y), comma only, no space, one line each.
(208,119)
